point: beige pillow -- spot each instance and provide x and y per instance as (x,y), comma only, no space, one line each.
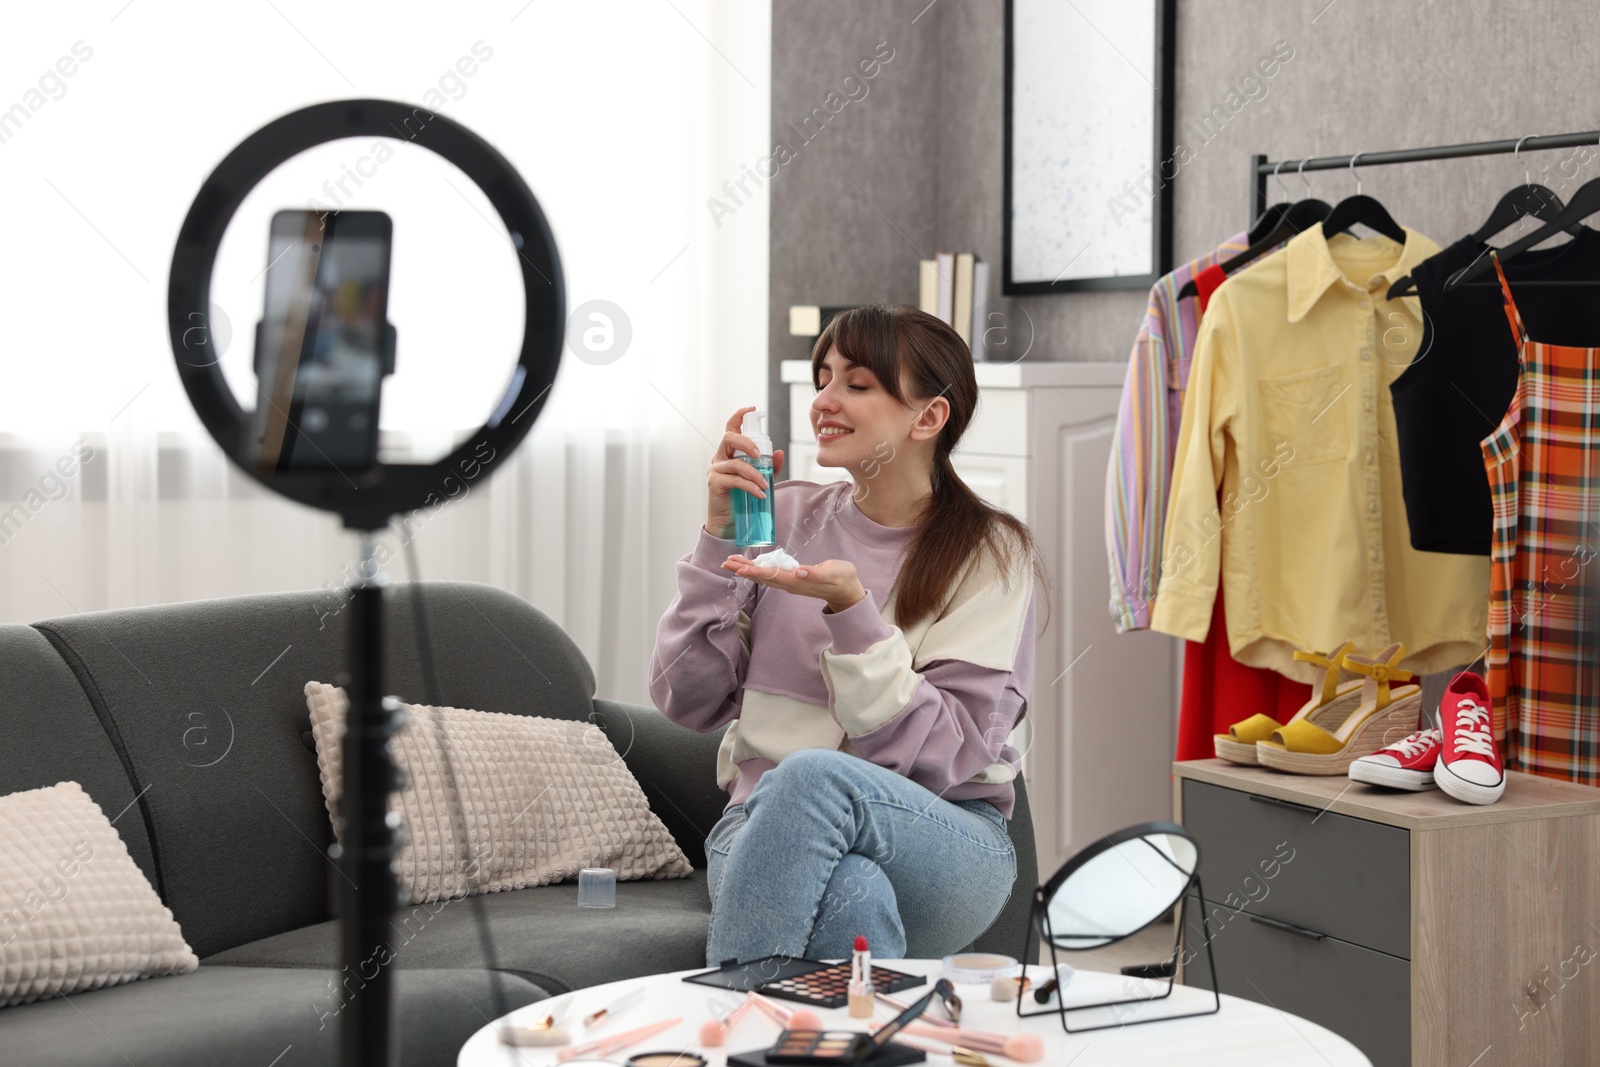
(76,913)
(535,800)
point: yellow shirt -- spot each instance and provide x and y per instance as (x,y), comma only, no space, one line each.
(1288,424)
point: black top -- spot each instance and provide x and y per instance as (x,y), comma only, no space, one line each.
(1460,383)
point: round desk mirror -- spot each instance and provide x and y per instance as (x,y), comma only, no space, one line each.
(1119,885)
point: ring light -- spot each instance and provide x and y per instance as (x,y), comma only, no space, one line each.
(367,499)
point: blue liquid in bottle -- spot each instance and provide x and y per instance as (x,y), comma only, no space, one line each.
(752,515)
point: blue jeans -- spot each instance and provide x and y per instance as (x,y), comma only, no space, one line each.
(829,845)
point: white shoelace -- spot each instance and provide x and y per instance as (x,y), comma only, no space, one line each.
(1472,729)
(1416,743)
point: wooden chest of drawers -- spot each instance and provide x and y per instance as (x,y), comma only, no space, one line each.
(1422,929)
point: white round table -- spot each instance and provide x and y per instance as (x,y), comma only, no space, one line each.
(1242,1033)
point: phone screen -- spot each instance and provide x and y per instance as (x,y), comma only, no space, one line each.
(321,346)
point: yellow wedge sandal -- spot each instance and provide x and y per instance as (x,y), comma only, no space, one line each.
(1327,709)
(1384,715)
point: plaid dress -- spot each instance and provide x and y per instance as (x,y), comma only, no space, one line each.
(1542,460)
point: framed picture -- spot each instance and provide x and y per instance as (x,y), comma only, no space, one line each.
(1088,144)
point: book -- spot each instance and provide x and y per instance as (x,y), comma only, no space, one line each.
(980,310)
(809,320)
(962,317)
(947,285)
(928,286)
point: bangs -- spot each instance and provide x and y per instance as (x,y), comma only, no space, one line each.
(867,336)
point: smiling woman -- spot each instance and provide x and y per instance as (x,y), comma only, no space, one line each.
(869,796)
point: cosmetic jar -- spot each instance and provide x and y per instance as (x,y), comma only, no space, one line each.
(597,887)
(979,968)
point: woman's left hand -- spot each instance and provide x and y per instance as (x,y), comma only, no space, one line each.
(832,580)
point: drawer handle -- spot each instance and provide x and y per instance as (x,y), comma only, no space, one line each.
(1259,799)
(1279,924)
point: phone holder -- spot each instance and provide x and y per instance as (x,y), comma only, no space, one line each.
(386,347)
(367,499)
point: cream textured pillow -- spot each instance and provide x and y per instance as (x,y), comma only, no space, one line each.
(76,913)
(536,800)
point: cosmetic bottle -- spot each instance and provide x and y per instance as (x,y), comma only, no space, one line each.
(752,515)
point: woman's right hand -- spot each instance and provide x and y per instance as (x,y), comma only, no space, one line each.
(728,471)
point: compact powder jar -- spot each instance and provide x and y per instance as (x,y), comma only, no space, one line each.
(666,1059)
(979,967)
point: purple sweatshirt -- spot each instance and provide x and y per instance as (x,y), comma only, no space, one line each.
(934,702)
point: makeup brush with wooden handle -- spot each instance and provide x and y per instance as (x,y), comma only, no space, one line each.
(1024,1048)
(605,1046)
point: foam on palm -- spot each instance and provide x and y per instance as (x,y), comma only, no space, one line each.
(776,558)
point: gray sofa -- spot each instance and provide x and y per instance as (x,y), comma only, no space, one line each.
(189,719)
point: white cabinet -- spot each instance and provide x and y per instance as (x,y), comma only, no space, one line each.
(1100,732)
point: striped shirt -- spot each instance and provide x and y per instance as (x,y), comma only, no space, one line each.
(1140,469)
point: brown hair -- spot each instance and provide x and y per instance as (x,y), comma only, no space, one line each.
(889,339)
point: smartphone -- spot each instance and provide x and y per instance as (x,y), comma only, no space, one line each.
(324,342)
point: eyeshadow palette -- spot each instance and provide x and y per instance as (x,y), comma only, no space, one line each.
(892,1054)
(809,1046)
(839,1048)
(825,985)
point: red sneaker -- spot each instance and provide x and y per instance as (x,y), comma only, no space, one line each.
(1406,764)
(1469,766)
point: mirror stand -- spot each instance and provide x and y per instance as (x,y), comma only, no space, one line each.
(1041,918)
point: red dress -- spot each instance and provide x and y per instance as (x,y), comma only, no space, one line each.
(1218,690)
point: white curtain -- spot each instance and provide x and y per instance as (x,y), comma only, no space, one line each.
(623,117)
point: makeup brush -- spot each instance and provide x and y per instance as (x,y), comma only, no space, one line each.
(605,1046)
(947,997)
(901,1005)
(627,999)
(964,1056)
(543,1031)
(714,1032)
(540,1032)
(789,1019)
(1024,1048)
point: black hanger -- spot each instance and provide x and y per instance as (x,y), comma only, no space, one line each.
(1519,203)
(1263,225)
(1365,210)
(1299,217)
(1525,201)
(1584,202)
(1362,209)
(1270,217)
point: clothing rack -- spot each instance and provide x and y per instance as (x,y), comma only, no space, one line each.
(1261,168)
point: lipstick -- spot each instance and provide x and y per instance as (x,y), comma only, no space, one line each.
(860,990)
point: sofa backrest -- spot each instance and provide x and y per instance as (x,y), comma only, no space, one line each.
(204,703)
(49,733)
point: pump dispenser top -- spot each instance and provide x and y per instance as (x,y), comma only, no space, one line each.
(751,428)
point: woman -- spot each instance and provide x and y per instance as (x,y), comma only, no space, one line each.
(871,690)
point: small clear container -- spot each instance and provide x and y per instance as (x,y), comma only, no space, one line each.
(597,887)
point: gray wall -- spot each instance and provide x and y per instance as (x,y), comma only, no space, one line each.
(916,165)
